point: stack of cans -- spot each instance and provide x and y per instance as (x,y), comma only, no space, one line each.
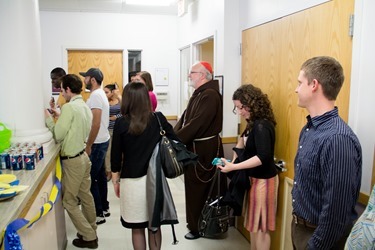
(21,156)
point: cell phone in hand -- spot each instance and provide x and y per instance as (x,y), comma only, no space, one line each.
(218,161)
(50,111)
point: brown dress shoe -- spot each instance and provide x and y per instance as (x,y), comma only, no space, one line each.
(81,243)
(80,236)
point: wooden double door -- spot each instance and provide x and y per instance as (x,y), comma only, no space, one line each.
(110,62)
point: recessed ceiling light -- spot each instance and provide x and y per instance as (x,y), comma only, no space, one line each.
(150,2)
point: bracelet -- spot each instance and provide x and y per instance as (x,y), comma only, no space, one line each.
(116,181)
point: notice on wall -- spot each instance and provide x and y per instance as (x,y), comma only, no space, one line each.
(161,77)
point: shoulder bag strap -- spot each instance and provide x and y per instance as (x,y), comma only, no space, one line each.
(162,131)
(216,175)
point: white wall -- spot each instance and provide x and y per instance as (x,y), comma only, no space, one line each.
(154,34)
(219,18)
(231,64)
(362,89)
(256,12)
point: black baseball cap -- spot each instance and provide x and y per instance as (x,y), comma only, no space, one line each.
(93,72)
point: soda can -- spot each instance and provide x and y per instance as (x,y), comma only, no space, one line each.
(4,160)
(16,145)
(29,161)
(35,151)
(40,151)
(16,161)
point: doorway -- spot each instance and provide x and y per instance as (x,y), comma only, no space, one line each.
(109,61)
(202,50)
(134,62)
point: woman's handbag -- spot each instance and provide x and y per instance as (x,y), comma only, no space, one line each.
(174,155)
(214,219)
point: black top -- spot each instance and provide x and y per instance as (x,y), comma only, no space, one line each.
(130,154)
(261,142)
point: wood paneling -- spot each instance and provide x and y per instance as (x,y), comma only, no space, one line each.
(272,56)
(109,62)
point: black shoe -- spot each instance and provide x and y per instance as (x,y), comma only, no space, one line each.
(92,244)
(192,236)
(106,213)
(80,236)
(100,220)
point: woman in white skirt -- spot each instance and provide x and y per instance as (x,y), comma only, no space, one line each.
(135,136)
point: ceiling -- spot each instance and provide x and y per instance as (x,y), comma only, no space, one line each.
(105,6)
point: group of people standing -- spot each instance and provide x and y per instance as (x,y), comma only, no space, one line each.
(82,129)
(327,165)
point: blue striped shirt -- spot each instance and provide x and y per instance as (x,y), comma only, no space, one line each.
(327,180)
(114,110)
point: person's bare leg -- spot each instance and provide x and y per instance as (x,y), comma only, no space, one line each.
(139,239)
(154,239)
(253,241)
(263,240)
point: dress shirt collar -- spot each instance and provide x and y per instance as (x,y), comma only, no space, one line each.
(76,97)
(318,120)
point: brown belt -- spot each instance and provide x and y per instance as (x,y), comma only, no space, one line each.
(300,221)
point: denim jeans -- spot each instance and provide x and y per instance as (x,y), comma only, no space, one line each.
(99,188)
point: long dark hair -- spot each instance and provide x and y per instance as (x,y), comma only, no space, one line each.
(136,106)
(258,104)
(147,78)
(111,87)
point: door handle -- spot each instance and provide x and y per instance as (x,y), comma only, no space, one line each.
(280,165)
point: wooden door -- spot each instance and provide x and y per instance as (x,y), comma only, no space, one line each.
(109,62)
(272,56)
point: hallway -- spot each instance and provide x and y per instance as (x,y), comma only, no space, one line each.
(113,236)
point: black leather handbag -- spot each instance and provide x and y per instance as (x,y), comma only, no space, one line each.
(214,219)
(174,155)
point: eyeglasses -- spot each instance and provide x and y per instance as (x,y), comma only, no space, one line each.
(238,108)
(195,72)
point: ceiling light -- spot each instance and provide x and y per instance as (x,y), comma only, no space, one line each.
(150,2)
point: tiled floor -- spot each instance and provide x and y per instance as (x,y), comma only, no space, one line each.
(113,236)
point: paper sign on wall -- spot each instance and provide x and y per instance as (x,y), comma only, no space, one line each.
(161,77)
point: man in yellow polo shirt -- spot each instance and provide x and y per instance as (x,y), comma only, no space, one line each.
(71,130)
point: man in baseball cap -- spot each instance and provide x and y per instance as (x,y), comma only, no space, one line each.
(95,73)
(98,141)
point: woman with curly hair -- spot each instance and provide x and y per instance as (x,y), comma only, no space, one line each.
(254,154)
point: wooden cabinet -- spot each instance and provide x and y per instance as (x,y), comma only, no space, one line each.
(49,232)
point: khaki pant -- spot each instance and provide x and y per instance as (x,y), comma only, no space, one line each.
(76,183)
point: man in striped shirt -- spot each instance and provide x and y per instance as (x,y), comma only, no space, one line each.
(328,163)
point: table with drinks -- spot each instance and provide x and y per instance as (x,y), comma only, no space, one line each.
(31,172)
